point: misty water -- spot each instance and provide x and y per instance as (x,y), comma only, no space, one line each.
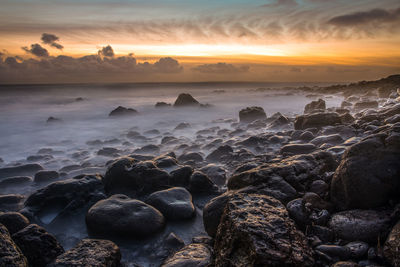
(84,109)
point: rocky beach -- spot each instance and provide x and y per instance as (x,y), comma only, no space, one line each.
(305,175)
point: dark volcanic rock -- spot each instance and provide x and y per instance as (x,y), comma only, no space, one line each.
(314,106)
(22,170)
(162,105)
(186,100)
(52,120)
(11,202)
(175,203)
(90,252)
(369,173)
(201,183)
(39,247)
(123,216)
(44,176)
(250,114)
(193,255)
(17,180)
(122,111)
(220,152)
(296,149)
(316,120)
(392,246)
(366,104)
(360,225)
(14,221)
(10,254)
(66,196)
(195,156)
(126,175)
(256,230)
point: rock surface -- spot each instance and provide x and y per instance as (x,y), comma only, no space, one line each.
(10,253)
(317,120)
(256,230)
(251,114)
(122,111)
(193,255)
(186,100)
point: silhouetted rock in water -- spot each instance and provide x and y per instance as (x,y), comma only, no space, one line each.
(11,202)
(361,225)
(39,158)
(38,246)
(66,195)
(278,122)
(52,120)
(194,156)
(201,183)
(216,173)
(181,176)
(186,100)
(21,170)
(126,175)
(316,120)
(369,174)
(162,105)
(256,230)
(165,161)
(148,149)
(392,246)
(14,221)
(250,114)
(10,253)
(79,99)
(219,153)
(199,255)
(90,252)
(14,181)
(295,149)
(315,106)
(108,152)
(123,216)
(122,111)
(174,204)
(366,104)
(346,104)
(44,176)
(182,125)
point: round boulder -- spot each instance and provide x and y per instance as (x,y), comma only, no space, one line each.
(250,114)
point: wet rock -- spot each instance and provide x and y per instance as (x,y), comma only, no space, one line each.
(53,120)
(39,247)
(182,125)
(325,234)
(13,181)
(11,202)
(148,149)
(65,196)
(45,176)
(345,264)
(219,153)
(358,249)
(256,230)
(120,215)
(37,158)
(295,149)
(198,255)
(174,204)
(181,176)
(165,161)
(366,104)
(319,187)
(315,106)
(122,111)
(108,152)
(279,122)
(14,221)
(186,100)
(250,114)
(90,252)
(335,252)
(10,253)
(22,170)
(125,175)
(191,156)
(298,213)
(368,175)
(392,246)
(201,183)
(360,225)
(306,136)
(216,173)
(346,104)
(317,120)
(162,105)
(332,139)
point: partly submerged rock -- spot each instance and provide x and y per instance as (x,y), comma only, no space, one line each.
(123,111)
(250,114)
(315,106)
(316,120)
(186,100)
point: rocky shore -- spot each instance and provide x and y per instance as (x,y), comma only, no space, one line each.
(316,189)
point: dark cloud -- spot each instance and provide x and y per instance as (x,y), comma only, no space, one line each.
(106,51)
(374,15)
(220,68)
(167,65)
(51,39)
(36,50)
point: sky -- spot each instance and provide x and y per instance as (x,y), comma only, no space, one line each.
(60,41)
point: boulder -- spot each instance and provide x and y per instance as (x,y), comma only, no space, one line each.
(219,153)
(193,255)
(39,247)
(392,246)
(318,105)
(296,149)
(250,114)
(255,230)
(174,204)
(21,170)
(181,176)
(17,180)
(316,120)
(123,216)
(122,111)
(216,173)
(44,176)
(332,139)
(126,175)
(14,221)
(369,173)
(90,252)
(11,202)
(201,183)
(53,120)
(366,104)
(191,156)
(360,225)
(10,253)
(162,105)
(186,100)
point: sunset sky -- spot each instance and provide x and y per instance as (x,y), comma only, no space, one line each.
(184,40)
